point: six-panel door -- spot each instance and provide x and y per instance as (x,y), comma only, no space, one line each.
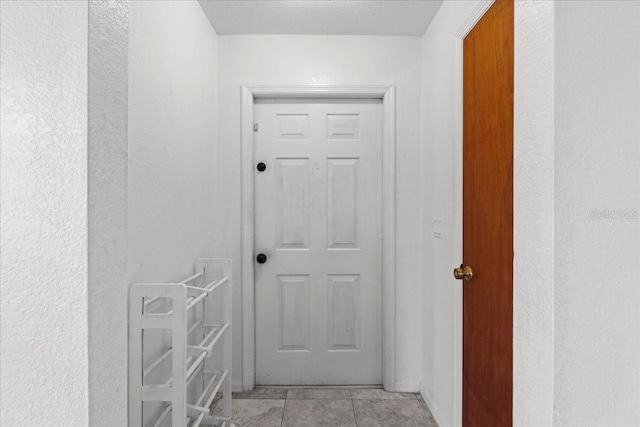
(318,221)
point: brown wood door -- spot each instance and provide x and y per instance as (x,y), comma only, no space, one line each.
(487,359)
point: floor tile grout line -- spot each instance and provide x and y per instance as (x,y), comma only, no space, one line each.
(284,408)
(353,407)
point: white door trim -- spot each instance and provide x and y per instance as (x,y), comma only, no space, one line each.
(471,21)
(387,95)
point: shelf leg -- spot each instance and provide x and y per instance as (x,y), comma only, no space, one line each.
(179,345)
(136,307)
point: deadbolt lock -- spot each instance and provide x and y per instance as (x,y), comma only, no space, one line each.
(462,272)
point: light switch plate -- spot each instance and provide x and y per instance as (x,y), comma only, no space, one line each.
(438,228)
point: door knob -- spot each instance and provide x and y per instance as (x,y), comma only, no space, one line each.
(461,272)
(261,167)
(261,258)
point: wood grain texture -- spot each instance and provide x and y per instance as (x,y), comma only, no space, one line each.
(488,219)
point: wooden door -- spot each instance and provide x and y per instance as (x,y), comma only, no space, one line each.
(488,219)
(318,222)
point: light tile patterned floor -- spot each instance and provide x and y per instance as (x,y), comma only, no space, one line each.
(327,407)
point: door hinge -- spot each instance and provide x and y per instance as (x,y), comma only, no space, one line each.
(255,127)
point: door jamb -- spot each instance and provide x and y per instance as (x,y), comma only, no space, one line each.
(387,94)
(471,21)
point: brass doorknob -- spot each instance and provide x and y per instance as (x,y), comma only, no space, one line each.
(461,272)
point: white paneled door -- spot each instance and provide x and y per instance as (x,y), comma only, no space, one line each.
(318,225)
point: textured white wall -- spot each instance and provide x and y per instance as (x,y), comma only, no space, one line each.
(329,60)
(533,214)
(172,145)
(597,291)
(44,213)
(172,139)
(107,209)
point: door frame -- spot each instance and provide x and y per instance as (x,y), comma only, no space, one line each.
(388,96)
(474,17)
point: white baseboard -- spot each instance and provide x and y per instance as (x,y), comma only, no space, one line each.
(408,387)
(236,387)
(437,414)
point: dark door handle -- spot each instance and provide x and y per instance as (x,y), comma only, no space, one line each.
(261,167)
(261,258)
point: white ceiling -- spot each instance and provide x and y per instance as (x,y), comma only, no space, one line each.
(340,17)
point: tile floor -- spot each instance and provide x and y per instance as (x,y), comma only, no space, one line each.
(327,407)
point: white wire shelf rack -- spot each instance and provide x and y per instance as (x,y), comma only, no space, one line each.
(193,366)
